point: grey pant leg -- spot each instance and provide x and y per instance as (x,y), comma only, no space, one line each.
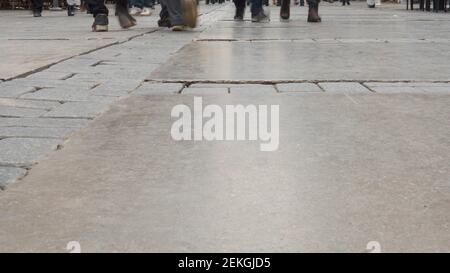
(175,11)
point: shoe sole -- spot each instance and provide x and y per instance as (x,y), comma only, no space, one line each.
(98,28)
(190,12)
(177,28)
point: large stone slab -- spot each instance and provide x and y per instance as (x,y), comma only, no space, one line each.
(345,174)
(244,61)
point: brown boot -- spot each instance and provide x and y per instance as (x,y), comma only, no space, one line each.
(313,15)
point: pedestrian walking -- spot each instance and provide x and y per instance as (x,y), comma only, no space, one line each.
(258,13)
(100,13)
(313,13)
(37,7)
(345,2)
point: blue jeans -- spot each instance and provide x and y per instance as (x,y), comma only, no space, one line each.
(142,3)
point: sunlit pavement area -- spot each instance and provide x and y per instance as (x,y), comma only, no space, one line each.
(87,155)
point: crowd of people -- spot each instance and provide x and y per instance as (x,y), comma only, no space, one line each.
(176,14)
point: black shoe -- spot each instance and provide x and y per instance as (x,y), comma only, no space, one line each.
(285,11)
(239,16)
(37,13)
(70,10)
(261,17)
(164,22)
(100,23)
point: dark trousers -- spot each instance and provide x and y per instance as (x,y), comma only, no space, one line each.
(97,7)
(37,4)
(172,10)
(256,5)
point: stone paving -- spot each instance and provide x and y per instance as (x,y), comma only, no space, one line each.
(38,112)
(118,172)
(54,102)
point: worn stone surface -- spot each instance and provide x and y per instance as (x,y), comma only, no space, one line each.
(298,87)
(61,94)
(9,90)
(158,88)
(25,151)
(204,91)
(9,175)
(78,109)
(43,122)
(252,88)
(345,174)
(10,111)
(28,103)
(388,44)
(350,168)
(348,87)
(116,88)
(35,132)
(40,48)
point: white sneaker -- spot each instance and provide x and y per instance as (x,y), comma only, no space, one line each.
(146,12)
(135,11)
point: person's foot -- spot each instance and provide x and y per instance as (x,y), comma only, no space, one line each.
(146,12)
(239,16)
(135,10)
(313,15)
(70,10)
(164,22)
(189,12)
(125,19)
(178,28)
(37,13)
(285,11)
(100,23)
(261,17)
